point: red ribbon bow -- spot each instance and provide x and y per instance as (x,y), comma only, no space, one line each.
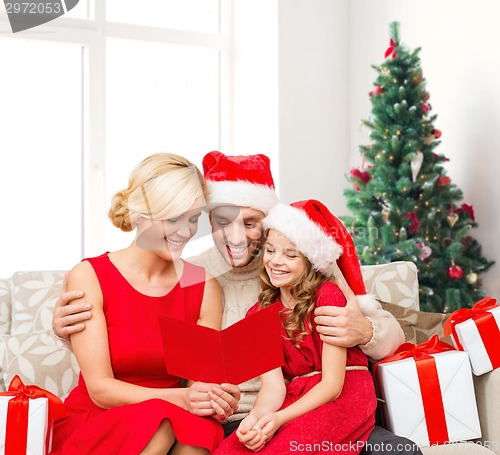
(428,379)
(391,49)
(486,326)
(16,435)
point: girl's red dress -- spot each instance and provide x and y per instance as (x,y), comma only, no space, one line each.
(339,427)
(136,350)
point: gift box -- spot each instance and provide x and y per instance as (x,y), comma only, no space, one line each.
(26,417)
(428,394)
(476,331)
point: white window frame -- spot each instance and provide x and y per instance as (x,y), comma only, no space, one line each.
(92,34)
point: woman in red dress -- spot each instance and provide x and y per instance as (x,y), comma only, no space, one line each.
(125,401)
(323,399)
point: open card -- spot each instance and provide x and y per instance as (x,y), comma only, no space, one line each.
(234,355)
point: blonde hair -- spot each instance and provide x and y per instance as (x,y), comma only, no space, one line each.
(162,186)
(297,321)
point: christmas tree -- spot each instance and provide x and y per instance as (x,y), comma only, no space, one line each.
(404,206)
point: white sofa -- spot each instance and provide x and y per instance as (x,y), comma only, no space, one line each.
(29,348)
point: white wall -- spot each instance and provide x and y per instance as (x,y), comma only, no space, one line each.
(313,100)
(326,49)
(460,43)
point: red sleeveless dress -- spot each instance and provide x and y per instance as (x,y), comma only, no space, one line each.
(339,427)
(136,350)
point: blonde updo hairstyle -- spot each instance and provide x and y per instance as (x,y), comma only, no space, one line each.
(162,186)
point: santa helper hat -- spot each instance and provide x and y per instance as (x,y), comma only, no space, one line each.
(324,240)
(244,181)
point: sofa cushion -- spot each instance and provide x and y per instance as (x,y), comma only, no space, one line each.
(38,358)
(418,326)
(396,282)
(5,307)
(29,290)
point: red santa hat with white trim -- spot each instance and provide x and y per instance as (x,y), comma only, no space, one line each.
(244,181)
(324,240)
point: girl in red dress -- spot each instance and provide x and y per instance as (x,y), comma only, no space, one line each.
(125,401)
(323,399)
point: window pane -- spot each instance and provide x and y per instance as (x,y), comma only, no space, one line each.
(197,15)
(40,158)
(159,98)
(81,10)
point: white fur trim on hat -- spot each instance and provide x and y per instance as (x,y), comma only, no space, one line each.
(243,194)
(367,303)
(321,250)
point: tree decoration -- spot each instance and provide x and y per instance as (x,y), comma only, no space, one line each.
(364,176)
(416,165)
(391,49)
(467,209)
(437,133)
(426,251)
(471,278)
(444,180)
(377,90)
(415,224)
(455,272)
(466,242)
(452,218)
(404,207)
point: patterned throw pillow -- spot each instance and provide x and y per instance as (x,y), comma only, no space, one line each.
(396,282)
(5,307)
(39,358)
(418,326)
(34,295)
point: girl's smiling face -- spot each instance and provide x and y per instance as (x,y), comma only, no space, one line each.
(284,264)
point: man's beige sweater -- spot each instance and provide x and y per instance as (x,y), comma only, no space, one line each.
(240,290)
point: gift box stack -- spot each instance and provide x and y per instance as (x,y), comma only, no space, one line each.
(26,416)
(427,390)
(476,331)
(427,393)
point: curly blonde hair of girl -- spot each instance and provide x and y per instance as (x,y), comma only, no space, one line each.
(297,321)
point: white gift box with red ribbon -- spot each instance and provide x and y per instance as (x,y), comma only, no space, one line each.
(429,398)
(38,412)
(476,330)
(27,413)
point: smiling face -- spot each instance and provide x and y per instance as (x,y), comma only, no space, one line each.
(284,264)
(169,237)
(237,233)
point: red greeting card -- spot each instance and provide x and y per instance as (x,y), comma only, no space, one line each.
(234,355)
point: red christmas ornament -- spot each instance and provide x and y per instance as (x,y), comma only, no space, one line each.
(444,180)
(455,272)
(467,208)
(377,90)
(437,133)
(415,225)
(439,157)
(391,49)
(427,96)
(364,176)
(424,107)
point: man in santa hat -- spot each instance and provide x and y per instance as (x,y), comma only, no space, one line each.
(240,194)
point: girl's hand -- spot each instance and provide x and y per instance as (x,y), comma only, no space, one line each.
(269,424)
(252,439)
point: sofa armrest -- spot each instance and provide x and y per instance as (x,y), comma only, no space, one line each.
(487,387)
